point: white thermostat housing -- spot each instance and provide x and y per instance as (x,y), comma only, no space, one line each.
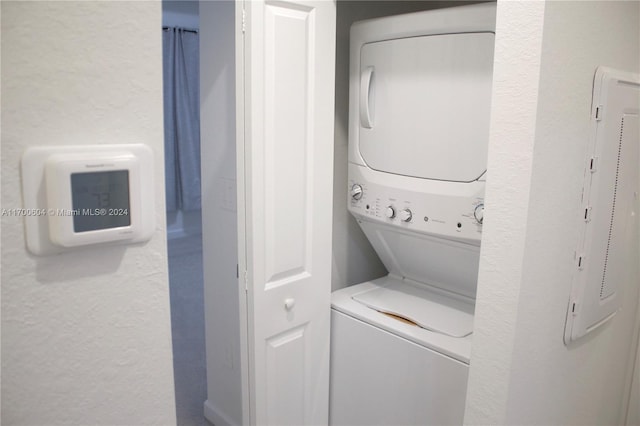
(85,195)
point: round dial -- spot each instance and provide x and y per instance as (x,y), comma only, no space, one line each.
(390,212)
(478,213)
(405,215)
(356,192)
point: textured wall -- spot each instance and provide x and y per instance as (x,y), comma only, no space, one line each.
(511,140)
(521,372)
(85,335)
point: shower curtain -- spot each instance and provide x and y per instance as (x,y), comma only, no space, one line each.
(181,118)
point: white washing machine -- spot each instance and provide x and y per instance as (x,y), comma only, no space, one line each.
(420,92)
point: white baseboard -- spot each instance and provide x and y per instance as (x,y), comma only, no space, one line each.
(215,416)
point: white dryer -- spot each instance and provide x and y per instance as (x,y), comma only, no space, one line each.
(420,94)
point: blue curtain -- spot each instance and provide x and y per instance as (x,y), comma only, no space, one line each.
(181,118)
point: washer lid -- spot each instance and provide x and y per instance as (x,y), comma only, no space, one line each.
(424,105)
(425,308)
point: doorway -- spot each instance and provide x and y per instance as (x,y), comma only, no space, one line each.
(180,36)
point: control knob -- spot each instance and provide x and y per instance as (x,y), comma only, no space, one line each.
(405,215)
(390,212)
(356,192)
(478,213)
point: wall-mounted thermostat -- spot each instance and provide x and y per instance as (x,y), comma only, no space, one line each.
(87,195)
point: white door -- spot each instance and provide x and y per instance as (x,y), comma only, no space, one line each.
(285,68)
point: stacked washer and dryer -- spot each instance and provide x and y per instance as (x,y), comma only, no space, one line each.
(420,92)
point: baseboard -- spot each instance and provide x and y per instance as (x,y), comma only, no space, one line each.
(216,417)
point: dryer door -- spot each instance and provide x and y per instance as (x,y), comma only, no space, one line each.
(424,105)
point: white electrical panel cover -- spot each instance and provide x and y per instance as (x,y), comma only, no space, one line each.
(607,252)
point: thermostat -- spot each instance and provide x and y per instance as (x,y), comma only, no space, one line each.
(87,195)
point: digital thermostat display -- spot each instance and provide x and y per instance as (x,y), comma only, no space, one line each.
(100,200)
(90,195)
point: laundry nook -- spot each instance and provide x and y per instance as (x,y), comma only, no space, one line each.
(420,94)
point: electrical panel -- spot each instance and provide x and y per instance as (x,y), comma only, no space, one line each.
(607,253)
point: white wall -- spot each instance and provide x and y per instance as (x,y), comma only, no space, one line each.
(85,335)
(219,229)
(512,135)
(521,372)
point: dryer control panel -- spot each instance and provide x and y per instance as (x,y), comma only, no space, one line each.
(446,209)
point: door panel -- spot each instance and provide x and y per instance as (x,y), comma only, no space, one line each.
(285,392)
(287,105)
(288,62)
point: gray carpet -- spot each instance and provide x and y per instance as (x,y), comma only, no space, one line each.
(187,327)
